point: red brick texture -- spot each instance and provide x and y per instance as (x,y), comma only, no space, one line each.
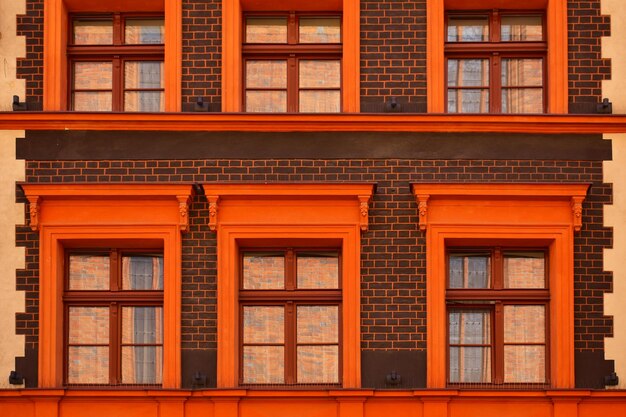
(393,266)
(30,68)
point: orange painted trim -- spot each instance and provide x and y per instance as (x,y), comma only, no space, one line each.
(435,61)
(550,124)
(55,41)
(466,213)
(289,5)
(104,214)
(558,92)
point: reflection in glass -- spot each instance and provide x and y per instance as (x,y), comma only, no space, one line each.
(144,101)
(88,326)
(93,32)
(94,75)
(317,324)
(525,364)
(320,73)
(263,271)
(468,29)
(266,30)
(522,72)
(521,28)
(144,31)
(318,364)
(88,365)
(263,365)
(142,272)
(142,325)
(320,30)
(92,101)
(318,270)
(143,74)
(320,101)
(522,100)
(524,324)
(266,74)
(142,364)
(263,324)
(524,270)
(468,73)
(89,272)
(469,270)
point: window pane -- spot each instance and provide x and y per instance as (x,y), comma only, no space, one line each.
(263,365)
(524,270)
(142,364)
(318,270)
(93,32)
(266,74)
(521,28)
(318,324)
(470,327)
(263,271)
(524,324)
(469,270)
(468,101)
(142,325)
(93,75)
(318,364)
(517,72)
(89,272)
(88,365)
(522,100)
(263,324)
(468,73)
(142,272)
(144,31)
(320,30)
(266,30)
(143,74)
(92,101)
(320,101)
(525,364)
(468,29)
(320,74)
(266,101)
(145,101)
(88,326)
(470,364)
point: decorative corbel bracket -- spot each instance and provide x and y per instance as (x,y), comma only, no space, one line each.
(183,209)
(422,208)
(364,201)
(213,200)
(577,212)
(34,201)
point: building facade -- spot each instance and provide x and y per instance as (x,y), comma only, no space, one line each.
(339,208)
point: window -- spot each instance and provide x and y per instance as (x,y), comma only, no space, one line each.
(290,316)
(116,63)
(114,308)
(495,62)
(292,63)
(497,302)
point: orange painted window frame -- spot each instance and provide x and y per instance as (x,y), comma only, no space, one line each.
(556,22)
(503,214)
(104,215)
(268,215)
(55,82)
(232,29)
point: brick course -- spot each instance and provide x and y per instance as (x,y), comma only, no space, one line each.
(30,67)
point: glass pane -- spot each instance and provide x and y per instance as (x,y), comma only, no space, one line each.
(470,327)
(468,101)
(142,272)
(468,29)
(263,324)
(88,365)
(517,72)
(318,364)
(143,74)
(318,324)
(320,74)
(142,364)
(144,31)
(92,101)
(468,73)
(266,30)
(524,270)
(266,101)
(263,365)
(470,364)
(318,270)
(320,30)
(89,272)
(263,271)
(521,28)
(320,101)
(525,364)
(266,74)
(93,32)
(88,326)
(93,75)
(142,325)
(146,101)
(524,324)
(522,100)
(469,270)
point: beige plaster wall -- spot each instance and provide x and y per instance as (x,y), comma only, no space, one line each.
(11,258)
(615,173)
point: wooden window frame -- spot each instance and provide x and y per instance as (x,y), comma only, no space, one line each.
(115,299)
(291,297)
(292,52)
(494,50)
(118,53)
(496,298)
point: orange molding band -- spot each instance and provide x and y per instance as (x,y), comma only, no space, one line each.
(470,214)
(275,214)
(102,215)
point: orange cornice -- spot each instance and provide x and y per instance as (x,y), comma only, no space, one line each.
(554,124)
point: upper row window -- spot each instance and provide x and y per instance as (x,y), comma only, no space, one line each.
(496,62)
(116,63)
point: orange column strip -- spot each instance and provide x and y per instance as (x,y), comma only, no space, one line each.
(173,55)
(54,73)
(351,77)
(435,57)
(557,56)
(231,56)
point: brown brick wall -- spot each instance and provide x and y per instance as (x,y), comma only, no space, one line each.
(393,250)
(30,68)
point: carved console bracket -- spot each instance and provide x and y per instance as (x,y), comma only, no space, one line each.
(213,200)
(364,201)
(422,208)
(34,211)
(577,212)
(183,209)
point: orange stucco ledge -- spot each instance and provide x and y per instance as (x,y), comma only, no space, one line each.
(346,122)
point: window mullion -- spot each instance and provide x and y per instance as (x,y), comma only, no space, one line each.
(114,344)
(290,343)
(498,348)
(495,81)
(293,84)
